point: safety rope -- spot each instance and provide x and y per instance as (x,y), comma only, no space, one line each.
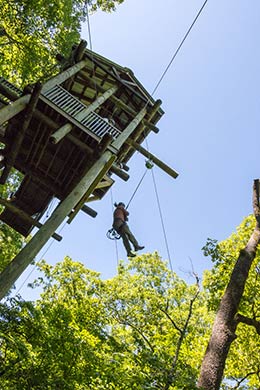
(162,220)
(136,189)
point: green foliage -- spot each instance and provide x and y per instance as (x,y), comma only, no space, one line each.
(85,333)
(33,32)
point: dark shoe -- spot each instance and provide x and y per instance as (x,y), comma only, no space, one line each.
(139,248)
(130,254)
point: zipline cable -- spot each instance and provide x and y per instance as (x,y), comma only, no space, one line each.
(162,221)
(138,185)
(178,48)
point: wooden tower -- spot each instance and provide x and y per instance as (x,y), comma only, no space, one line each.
(69,138)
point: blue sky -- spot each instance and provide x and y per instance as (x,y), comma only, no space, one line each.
(209,132)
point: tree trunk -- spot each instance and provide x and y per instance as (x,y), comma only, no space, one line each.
(225,324)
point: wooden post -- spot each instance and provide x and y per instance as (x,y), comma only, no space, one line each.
(12,272)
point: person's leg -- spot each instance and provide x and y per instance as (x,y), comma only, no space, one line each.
(124,236)
(132,238)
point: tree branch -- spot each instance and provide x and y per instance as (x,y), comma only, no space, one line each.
(248,321)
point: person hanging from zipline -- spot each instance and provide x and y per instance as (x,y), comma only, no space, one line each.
(122,228)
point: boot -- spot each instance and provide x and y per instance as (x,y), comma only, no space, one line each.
(130,254)
(139,248)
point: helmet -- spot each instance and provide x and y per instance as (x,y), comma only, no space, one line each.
(121,204)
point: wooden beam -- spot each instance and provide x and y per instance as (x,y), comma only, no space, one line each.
(61,77)
(60,133)
(88,210)
(119,172)
(25,216)
(14,108)
(94,60)
(153,158)
(121,139)
(98,102)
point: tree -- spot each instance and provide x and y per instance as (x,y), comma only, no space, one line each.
(233,308)
(123,333)
(33,32)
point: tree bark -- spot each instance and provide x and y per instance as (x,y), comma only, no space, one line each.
(225,324)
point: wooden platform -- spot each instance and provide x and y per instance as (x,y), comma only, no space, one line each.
(53,170)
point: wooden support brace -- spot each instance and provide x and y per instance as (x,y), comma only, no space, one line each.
(25,216)
(60,133)
(153,158)
(119,172)
(88,210)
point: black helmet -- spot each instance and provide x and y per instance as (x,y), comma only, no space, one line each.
(121,204)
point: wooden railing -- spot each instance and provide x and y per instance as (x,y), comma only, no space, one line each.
(10,86)
(75,108)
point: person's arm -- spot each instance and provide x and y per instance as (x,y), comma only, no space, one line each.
(126,213)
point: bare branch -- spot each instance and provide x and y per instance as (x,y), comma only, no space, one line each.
(171,373)
(256,206)
(170,318)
